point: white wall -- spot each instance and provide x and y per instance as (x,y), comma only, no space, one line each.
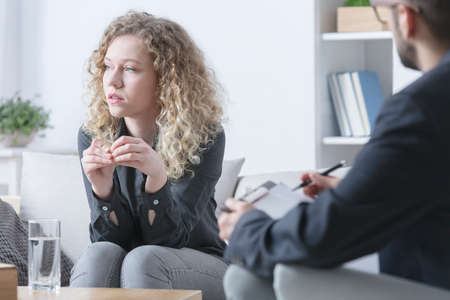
(9,46)
(262,52)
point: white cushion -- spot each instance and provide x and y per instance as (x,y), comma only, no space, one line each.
(227,181)
(52,187)
(13,200)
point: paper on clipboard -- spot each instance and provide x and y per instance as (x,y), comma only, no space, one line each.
(275,199)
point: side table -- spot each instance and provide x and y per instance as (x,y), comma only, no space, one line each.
(24,293)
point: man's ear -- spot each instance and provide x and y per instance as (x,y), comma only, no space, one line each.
(407,21)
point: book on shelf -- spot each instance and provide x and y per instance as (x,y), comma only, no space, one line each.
(357,100)
(369,88)
(357,89)
(338,103)
(351,104)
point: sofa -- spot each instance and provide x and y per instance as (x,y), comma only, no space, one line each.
(52,187)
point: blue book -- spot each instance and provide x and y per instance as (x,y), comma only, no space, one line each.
(367,85)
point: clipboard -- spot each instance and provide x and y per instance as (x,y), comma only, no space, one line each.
(275,199)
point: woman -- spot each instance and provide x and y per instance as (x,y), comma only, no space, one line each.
(151,152)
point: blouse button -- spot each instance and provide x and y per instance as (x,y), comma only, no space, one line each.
(155,202)
(105,208)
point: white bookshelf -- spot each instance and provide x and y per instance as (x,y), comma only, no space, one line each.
(342,140)
(354,36)
(343,52)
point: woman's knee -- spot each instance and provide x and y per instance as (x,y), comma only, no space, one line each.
(144,257)
(145,267)
(98,266)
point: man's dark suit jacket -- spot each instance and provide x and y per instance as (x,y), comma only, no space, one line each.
(395,199)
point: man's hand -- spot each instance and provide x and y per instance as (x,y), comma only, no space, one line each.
(318,183)
(227,221)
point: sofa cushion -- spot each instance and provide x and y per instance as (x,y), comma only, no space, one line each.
(13,200)
(227,181)
(52,187)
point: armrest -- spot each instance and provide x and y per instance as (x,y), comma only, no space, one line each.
(14,201)
(296,282)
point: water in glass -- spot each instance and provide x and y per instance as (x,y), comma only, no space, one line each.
(44,257)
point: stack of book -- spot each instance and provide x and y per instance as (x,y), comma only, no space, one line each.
(357,99)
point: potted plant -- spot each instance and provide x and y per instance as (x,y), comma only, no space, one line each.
(358,16)
(20,121)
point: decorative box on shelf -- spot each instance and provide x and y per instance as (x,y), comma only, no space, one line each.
(8,282)
(361,19)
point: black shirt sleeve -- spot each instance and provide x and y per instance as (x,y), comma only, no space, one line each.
(387,190)
(101,228)
(180,205)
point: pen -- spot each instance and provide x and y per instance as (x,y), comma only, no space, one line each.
(341,164)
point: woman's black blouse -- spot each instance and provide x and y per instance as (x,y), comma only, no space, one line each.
(184,208)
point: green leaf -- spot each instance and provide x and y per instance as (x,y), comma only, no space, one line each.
(17,114)
(357,3)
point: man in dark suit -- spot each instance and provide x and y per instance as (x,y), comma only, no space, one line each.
(395,199)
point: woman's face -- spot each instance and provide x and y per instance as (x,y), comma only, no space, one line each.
(129,81)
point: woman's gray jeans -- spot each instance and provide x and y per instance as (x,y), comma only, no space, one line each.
(106,264)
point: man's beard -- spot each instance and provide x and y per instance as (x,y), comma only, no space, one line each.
(406,51)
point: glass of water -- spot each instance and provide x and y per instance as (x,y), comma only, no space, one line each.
(44,254)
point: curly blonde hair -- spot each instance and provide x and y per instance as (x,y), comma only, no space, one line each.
(190,113)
